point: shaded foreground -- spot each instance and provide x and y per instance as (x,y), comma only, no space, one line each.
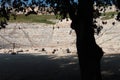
(111,67)
(52,67)
(38,67)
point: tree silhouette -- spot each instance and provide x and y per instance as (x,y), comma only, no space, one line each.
(89,53)
(81,14)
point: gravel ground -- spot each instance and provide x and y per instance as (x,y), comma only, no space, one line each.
(52,67)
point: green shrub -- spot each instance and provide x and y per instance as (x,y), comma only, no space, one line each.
(33,18)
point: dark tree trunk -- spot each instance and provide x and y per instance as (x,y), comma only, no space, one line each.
(89,52)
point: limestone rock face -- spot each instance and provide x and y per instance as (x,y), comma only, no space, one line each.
(38,35)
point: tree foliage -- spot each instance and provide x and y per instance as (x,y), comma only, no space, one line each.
(66,8)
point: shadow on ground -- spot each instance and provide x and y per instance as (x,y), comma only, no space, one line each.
(111,67)
(51,67)
(38,67)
